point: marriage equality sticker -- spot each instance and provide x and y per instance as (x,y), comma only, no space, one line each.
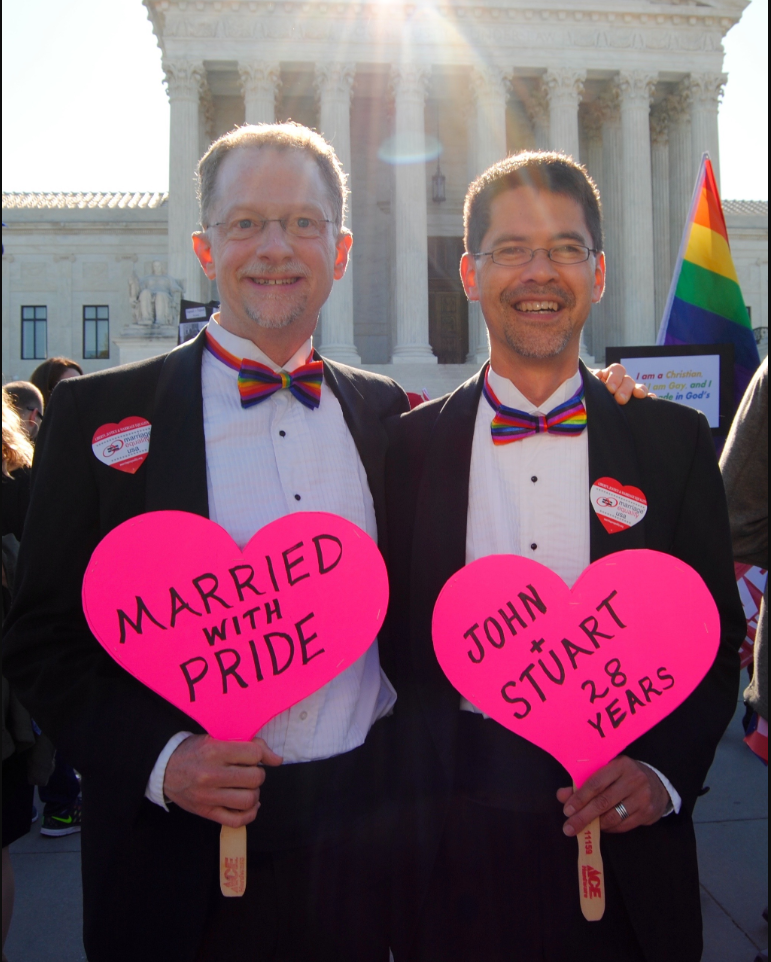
(581,673)
(230,636)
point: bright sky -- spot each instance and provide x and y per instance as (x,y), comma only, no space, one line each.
(84,106)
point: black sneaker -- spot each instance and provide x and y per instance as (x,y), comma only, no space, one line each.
(64,822)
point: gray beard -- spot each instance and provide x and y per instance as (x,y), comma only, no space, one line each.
(539,347)
(275,324)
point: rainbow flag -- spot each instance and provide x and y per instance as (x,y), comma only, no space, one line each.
(705,303)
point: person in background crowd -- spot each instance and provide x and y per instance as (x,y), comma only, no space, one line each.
(47,375)
(61,796)
(744,464)
(29,404)
(27,756)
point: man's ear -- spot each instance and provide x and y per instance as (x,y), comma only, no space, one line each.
(202,249)
(342,253)
(468,274)
(599,278)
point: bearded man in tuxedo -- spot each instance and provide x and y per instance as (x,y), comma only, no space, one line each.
(490,824)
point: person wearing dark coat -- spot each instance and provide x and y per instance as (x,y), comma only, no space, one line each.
(156,789)
(488,854)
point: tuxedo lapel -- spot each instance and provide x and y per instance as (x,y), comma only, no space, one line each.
(611,455)
(439,549)
(368,435)
(176,465)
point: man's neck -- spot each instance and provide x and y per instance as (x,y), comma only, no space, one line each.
(536,378)
(279,344)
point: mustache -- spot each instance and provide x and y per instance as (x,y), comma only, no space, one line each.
(512,295)
(299,270)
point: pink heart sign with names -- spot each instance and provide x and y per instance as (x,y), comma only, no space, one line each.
(584,672)
(234,637)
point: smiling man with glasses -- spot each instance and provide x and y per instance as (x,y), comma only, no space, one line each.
(505,465)
(156,789)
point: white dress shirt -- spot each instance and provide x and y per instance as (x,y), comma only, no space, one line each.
(262,463)
(531,497)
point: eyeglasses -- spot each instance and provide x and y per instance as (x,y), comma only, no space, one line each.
(298,225)
(515,256)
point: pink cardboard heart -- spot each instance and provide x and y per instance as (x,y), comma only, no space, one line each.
(235,637)
(580,673)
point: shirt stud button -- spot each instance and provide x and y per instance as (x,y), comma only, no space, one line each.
(303,715)
(534,479)
(297,497)
(282,434)
(533,546)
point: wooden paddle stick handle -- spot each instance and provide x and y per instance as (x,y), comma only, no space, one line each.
(591,878)
(233,861)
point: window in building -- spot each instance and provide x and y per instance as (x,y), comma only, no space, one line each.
(34,333)
(96,331)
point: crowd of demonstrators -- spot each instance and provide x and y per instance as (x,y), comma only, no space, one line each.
(27,755)
(47,375)
(335,870)
(62,810)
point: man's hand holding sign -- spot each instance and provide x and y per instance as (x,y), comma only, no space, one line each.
(233,638)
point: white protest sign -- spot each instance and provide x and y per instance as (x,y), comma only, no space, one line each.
(693,380)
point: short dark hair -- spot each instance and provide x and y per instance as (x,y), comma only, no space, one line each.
(542,170)
(286,136)
(23,395)
(47,375)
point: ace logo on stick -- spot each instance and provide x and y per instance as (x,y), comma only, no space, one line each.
(581,673)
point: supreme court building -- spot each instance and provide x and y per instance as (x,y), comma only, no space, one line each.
(417,98)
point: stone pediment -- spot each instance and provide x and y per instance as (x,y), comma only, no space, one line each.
(445,33)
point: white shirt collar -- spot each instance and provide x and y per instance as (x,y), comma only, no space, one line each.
(510,395)
(242,347)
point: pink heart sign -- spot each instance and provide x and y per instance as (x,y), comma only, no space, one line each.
(235,637)
(584,672)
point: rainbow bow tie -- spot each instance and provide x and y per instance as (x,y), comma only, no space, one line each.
(509,424)
(256,381)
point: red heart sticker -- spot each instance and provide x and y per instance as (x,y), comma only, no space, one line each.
(124,445)
(235,637)
(618,506)
(584,672)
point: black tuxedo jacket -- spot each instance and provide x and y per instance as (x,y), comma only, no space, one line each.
(147,875)
(666,450)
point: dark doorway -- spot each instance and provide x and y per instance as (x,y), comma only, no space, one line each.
(447,305)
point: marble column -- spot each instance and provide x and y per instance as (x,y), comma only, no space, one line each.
(408,83)
(662,270)
(592,118)
(612,204)
(66,332)
(490,88)
(260,81)
(538,111)
(334,84)
(706,90)
(635,88)
(682,167)
(565,87)
(185,81)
